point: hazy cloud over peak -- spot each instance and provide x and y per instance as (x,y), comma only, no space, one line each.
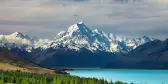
(122,17)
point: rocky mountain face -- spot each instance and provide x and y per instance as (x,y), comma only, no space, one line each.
(76,37)
(78,46)
(151,55)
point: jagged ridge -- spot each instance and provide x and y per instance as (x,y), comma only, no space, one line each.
(75,37)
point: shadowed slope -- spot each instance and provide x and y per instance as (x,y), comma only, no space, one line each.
(152,55)
(9,61)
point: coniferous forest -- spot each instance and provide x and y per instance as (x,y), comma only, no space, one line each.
(18,77)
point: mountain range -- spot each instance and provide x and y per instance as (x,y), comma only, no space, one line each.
(75,37)
(78,46)
(151,55)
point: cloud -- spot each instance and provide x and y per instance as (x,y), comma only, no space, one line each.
(17,40)
(124,17)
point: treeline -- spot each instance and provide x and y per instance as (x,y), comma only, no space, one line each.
(18,77)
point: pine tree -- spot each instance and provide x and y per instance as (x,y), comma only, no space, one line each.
(32,78)
(24,81)
(2,82)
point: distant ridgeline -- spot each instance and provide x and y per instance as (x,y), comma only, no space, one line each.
(152,55)
(81,47)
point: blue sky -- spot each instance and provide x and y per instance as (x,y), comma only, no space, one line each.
(45,18)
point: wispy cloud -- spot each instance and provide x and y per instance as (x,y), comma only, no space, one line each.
(123,17)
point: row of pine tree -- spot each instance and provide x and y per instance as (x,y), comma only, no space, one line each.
(17,77)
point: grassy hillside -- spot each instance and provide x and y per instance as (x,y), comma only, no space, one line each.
(9,61)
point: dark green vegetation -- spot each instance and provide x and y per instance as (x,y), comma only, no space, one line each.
(19,71)
(32,78)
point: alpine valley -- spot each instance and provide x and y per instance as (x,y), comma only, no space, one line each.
(81,47)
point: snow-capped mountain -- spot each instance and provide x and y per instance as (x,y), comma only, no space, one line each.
(76,37)
(78,46)
(80,36)
(124,44)
(17,38)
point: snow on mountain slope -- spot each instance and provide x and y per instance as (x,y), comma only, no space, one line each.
(16,37)
(76,37)
(21,41)
(125,44)
(80,36)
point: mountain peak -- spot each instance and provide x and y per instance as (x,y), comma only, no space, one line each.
(17,34)
(79,27)
(21,35)
(80,23)
(145,37)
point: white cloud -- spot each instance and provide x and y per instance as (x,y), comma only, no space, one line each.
(17,40)
(113,16)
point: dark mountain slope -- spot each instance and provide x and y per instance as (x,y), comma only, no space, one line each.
(67,58)
(9,61)
(152,55)
(7,57)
